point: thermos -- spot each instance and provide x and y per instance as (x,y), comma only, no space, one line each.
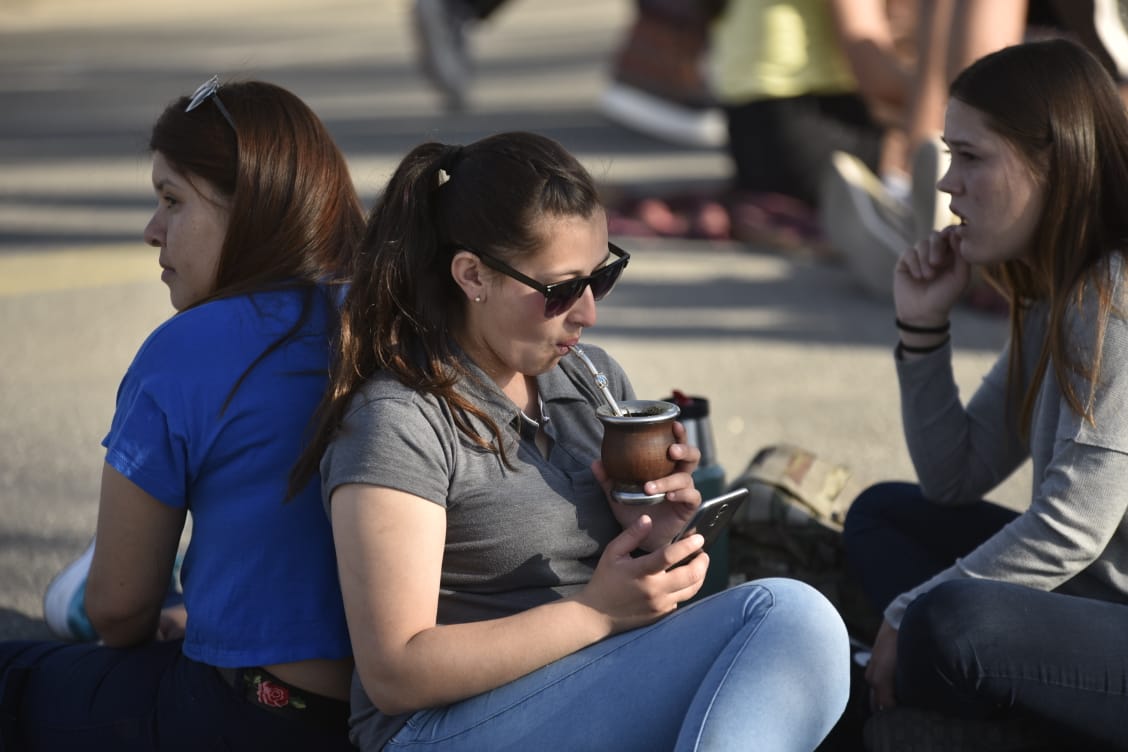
(709,477)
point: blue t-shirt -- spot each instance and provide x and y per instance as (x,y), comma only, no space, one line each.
(259,575)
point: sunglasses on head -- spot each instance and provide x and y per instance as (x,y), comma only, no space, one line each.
(210,90)
(560,296)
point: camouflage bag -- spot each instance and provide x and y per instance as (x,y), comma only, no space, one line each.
(791,526)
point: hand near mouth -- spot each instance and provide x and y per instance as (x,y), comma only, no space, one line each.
(930,278)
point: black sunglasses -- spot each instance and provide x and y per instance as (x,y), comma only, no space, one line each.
(210,90)
(560,296)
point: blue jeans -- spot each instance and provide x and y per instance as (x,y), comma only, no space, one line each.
(976,648)
(764,665)
(67,696)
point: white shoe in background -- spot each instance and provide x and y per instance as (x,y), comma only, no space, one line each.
(64,602)
(1110,20)
(658,84)
(863,222)
(663,118)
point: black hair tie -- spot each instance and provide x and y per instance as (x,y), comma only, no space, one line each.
(942,329)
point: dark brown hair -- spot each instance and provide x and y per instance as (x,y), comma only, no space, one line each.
(295,214)
(295,217)
(1055,104)
(491,195)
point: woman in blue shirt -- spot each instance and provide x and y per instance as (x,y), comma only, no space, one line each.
(256,220)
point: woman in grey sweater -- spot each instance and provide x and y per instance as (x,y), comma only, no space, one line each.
(986,609)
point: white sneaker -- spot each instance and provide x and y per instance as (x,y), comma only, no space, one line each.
(863,223)
(440,41)
(64,603)
(662,118)
(658,83)
(1110,20)
(930,205)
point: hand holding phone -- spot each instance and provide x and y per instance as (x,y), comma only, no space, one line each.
(711,518)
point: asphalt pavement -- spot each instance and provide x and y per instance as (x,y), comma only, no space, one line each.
(787,348)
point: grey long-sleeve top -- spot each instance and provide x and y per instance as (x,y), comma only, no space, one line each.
(1074,535)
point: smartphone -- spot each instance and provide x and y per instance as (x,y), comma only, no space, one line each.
(711,518)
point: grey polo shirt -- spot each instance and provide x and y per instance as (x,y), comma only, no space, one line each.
(516,537)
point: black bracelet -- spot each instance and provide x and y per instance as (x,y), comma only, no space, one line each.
(903,348)
(923,329)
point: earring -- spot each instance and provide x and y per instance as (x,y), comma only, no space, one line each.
(477,298)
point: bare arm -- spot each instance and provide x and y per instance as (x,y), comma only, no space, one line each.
(134,554)
(980,27)
(389,552)
(867,41)
(925,116)
(953,34)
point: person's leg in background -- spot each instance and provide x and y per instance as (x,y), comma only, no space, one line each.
(1102,26)
(983,26)
(442,46)
(657,83)
(952,35)
(782,145)
(863,203)
(877,39)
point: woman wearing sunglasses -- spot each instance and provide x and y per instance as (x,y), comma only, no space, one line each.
(497,599)
(256,222)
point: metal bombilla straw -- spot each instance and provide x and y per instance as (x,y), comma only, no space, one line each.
(600,380)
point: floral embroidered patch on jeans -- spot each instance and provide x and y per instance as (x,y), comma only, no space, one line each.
(266,690)
(271,692)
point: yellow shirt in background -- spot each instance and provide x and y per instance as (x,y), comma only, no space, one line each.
(761,49)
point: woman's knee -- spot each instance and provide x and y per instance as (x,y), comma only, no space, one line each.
(947,632)
(951,610)
(804,622)
(874,512)
(871,505)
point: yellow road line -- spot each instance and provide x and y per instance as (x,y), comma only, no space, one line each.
(30,272)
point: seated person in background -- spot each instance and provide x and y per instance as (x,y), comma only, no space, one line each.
(798,81)
(802,79)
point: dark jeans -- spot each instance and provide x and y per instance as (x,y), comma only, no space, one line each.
(483,9)
(895,539)
(784,145)
(973,648)
(64,696)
